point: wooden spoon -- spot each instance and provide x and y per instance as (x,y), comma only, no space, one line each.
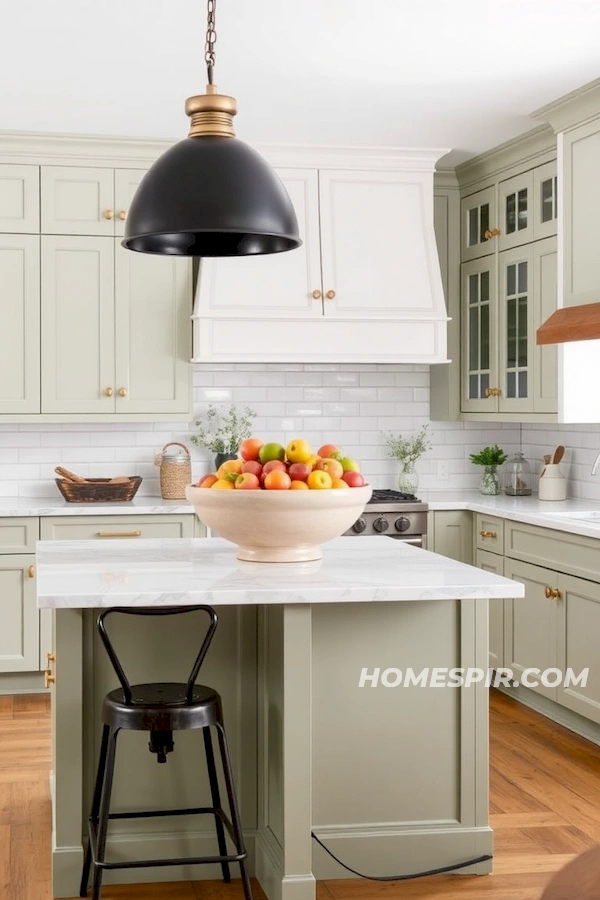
(119,479)
(558,455)
(69,476)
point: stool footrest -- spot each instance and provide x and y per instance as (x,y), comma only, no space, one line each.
(149,814)
(184,861)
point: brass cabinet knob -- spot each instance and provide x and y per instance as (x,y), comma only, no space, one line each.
(317,295)
(492,392)
(31,571)
(330,295)
(552,593)
(108,392)
(122,392)
(48,678)
(491,233)
(122,215)
(50,658)
(108,213)
(488,534)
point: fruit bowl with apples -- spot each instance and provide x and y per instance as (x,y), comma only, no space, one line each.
(278,504)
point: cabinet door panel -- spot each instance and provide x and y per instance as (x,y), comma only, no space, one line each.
(579,216)
(516,213)
(491,562)
(478,218)
(19,617)
(453,534)
(77,324)
(578,627)
(20,333)
(545,356)
(545,201)
(107,528)
(153,306)
(279,284)
(126,184)
(531,635)
(479,335)
(76,199)
(359,221)
(516,333)
(19,199)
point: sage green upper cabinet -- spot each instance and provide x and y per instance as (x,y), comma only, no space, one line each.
(19,199)
(78,324)
(115,328)
(479,227)
(20,332)
(545,201)
(581,191)
(77,200)
(127,182)
(152,333)
(515,197)
(282,284)
(479,309)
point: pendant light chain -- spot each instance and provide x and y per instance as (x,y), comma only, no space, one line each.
(211,39)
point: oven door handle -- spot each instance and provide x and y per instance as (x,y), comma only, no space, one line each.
(417,541)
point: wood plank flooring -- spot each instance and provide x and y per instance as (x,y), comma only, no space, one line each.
(545,810)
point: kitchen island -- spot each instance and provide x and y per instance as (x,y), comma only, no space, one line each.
(391,779)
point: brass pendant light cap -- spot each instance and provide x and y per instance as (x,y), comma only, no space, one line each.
(211,113)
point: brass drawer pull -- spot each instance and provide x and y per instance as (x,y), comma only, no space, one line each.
(49,678)
(552,593)
(488,534)
(31,571)
(118,534)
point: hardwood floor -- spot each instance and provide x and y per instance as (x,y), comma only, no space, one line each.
(545,809)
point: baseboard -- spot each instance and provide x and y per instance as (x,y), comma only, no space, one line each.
(559,714)
(270,872)
(22,683)
(383,851)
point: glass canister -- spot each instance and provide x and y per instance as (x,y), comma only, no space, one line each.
(517,476)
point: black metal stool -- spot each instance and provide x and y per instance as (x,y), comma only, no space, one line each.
(160,709)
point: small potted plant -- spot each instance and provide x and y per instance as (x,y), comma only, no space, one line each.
(490,458)
(222,433)
(407,451)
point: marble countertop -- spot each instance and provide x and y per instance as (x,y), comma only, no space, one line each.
(177,571)
(561,515)
(50,506)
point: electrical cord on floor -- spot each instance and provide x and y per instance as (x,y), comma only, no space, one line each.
(440,871)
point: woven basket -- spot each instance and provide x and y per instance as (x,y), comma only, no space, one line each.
(98,490)
(174,475)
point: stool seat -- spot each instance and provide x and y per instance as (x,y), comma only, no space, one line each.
(162,706)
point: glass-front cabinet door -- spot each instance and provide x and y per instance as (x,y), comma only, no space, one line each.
(545,201)
(479,229)
(516,338)
(515,204)
(480,389)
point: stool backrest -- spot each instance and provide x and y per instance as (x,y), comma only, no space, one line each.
(159,611)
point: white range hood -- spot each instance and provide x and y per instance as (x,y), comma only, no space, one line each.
(364,287)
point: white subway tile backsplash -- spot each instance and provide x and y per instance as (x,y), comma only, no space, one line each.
(346,405)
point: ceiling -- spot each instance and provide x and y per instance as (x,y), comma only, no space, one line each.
(460,74)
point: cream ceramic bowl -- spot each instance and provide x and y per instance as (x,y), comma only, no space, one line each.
(278,526)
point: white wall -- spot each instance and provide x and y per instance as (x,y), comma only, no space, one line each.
(348,405)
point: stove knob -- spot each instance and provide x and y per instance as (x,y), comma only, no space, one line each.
(360,525)
(380,525)
(402,524)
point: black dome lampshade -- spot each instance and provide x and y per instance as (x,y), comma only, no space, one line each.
(211,194)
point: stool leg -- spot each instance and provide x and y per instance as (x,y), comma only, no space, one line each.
(104,811)
(235,815)
(216,800)
(85,875)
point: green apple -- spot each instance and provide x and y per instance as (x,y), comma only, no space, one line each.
(271,451)
(337,455)
(350,465)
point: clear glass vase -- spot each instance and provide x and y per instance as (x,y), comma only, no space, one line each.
(490,482)
(408,480)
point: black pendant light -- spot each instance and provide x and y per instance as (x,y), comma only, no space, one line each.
(211,194)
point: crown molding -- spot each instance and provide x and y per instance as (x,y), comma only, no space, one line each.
(534,148)
(573,109)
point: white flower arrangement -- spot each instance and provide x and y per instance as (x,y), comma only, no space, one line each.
(224,432)
(407,450)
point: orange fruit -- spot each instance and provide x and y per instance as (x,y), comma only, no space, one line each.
(331,466)
(249,449)
(222,485)
(277,480)
(301,486)
(230,467)
(338,483)
(207,481)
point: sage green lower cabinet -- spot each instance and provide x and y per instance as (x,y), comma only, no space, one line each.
(491,562)
(19,615)
(94,528)
(452,534)
(578,627)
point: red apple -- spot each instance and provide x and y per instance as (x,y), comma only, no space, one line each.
(299,471)
(271,466)
(353,479)
(250,448)
(252,466)
(247,482)
(327,449)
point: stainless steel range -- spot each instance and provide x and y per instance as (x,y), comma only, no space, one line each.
(396,515)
